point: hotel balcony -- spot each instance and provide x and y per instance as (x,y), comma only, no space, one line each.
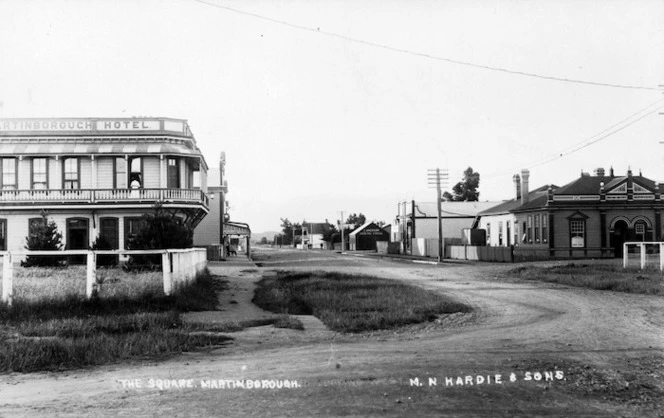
(53,197)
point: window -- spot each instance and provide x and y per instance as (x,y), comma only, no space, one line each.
(545,235)
(640,231)
(577,229)
(132,226)
(39,174)
(136,173)
(173,175)
(537,228)
(3,235)
(516,233)
(488,234)
(524,238)
(500,233)
(530,228)
(71,173)
(120,181)
(8,173)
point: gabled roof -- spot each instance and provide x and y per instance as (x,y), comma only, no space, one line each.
(316,227)
(536,198)
(451,209)
(365,226)
(584,185)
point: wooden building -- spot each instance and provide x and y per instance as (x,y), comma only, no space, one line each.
(365,237)
(97,176)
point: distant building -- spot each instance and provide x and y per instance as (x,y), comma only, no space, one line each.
(217,231)
(312,234)
(591,216)
(96,177)
(365,237)
(419,220)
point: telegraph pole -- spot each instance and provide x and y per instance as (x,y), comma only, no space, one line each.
(341,226)
(438,177)
(222,198)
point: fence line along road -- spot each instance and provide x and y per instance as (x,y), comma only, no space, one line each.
(178,266)
(642,246)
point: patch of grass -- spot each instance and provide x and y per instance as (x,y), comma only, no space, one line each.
(352,303)
(282,321)
(70,331)
(599,277)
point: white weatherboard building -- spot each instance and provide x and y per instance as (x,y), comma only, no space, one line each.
(96,176)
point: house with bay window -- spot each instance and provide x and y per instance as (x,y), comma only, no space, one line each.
(591,216)
(97,176)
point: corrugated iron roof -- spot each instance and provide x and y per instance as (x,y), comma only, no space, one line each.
(452,209)
(17,148)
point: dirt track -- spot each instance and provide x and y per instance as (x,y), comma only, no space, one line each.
(607,347)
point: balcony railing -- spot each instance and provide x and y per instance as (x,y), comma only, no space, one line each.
(192,196)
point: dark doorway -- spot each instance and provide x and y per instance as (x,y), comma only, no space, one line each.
(618,237)
(78,238)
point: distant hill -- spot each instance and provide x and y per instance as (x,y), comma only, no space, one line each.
(257,236)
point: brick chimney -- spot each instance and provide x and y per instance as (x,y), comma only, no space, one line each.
(599,172)
(524,186)
(517,185)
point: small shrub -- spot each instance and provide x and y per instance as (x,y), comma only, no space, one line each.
(43,235)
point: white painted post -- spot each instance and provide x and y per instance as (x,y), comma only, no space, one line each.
(91,284)
(7,278)
(661,257)
(624,255)
(166,269)
(642,248)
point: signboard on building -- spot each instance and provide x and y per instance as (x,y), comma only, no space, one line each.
(92,125)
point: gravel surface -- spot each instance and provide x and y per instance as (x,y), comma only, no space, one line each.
(528,349)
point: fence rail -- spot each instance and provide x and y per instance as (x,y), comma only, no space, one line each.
(656,248)
(179,266)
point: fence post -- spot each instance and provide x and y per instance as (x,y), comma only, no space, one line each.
(91,283)
(7,278)
(166,269)
(624,255)
(642,248)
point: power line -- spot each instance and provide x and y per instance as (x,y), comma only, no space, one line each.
(425,55)
(590,140)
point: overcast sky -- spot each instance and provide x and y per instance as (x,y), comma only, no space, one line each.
(324,106)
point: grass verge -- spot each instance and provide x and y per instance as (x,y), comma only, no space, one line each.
(70,331)
(352,303)
(600,277)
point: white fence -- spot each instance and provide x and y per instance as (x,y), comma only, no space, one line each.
(178,266)
(647,251)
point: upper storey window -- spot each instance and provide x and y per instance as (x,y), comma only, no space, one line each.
(39,173)
(173,173)
(136,173)
(8,173)
(71,173)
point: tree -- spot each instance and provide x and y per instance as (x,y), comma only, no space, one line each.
(161,230)
(356,220)
(465,190)
(43,235)
(290,231)
(263,241)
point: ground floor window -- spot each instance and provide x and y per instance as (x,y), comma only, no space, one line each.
(3,235)
(132,226)
(640,231)
(577,233)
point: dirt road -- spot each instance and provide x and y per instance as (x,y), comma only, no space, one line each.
(528,349)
